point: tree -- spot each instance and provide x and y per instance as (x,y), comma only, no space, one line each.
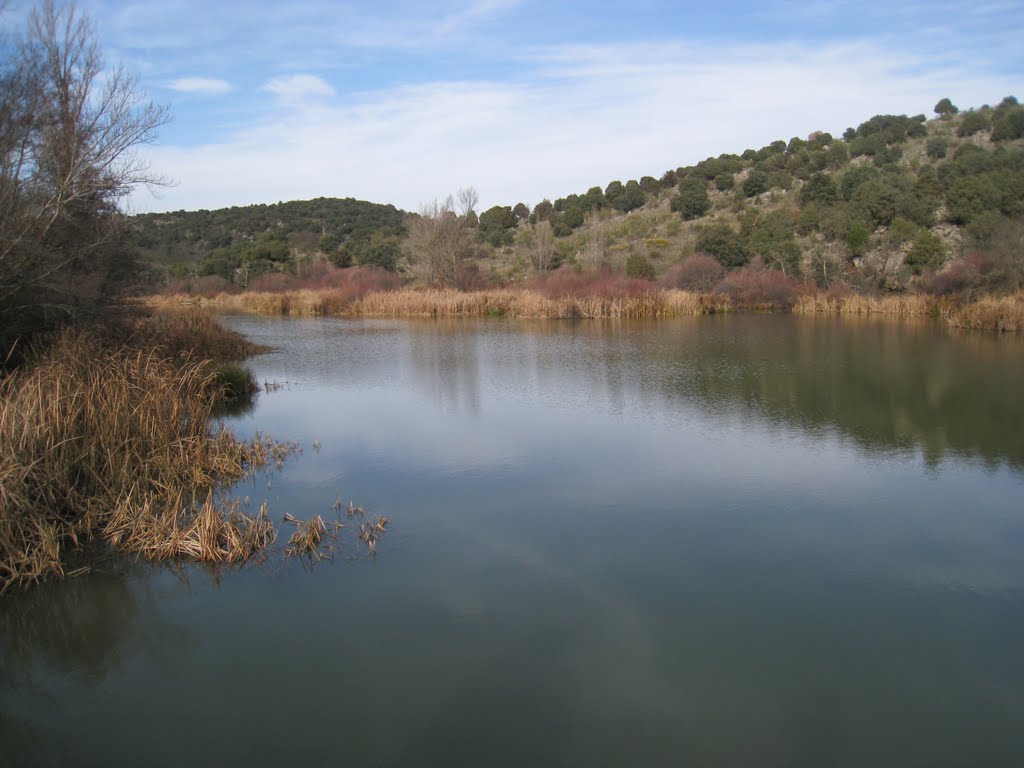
(440,242)
(819,189)
(639,266)
(945,109)
(496,225)
(692,201)
(69,129)
(468,200)
(543,246)
(724,243)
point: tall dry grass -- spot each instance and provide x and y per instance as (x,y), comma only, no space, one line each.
(499,302)
(896,305)
(112,443)
(1004,314)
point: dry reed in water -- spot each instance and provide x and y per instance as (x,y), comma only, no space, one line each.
(119,444)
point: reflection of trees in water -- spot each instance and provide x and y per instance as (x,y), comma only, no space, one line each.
(887,385)
(447,364)
(76,631)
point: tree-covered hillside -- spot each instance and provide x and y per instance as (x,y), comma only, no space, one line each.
(242,242)
(896,203)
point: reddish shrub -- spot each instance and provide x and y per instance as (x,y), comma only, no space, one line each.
(177,286)
(603,282)
(699,272)
(754,286)
(957,276)
(273,282)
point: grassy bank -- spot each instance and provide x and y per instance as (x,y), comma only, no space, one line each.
(109,439)
(1003,314)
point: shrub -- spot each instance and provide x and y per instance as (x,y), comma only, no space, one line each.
(755,286)
(937,147)
(639,266)
(928,251)
(725,244)
(692,201)
(957,277)
(699,272)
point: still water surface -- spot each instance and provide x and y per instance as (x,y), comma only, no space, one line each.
(723,541)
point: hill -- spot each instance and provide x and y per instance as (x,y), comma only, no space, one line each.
(238,243)
(896,203)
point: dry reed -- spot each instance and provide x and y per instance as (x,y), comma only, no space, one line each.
(993,313)
(896,305)
(499,302)
(113,443)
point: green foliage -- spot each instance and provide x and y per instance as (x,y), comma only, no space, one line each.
(771,237)
(945,108)
(901,231)
(1009,125)
(271,245)
(856,177)
(928,251)
(857,237)
(723,243)
(971,122)
(755,183)
(692,202)
(819,189)
(638,265)
(496,226)
(382,252)
(625,198)
(970,196)
(338,228)
(724,182)
(542,211)
(937,147)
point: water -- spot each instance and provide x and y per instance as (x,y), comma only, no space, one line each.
(723,541)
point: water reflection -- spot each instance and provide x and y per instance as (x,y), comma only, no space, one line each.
(729,541)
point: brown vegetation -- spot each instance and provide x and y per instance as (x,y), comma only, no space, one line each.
(109,438)
(991,313)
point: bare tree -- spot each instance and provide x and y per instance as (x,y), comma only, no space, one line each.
(543,246)
(468,200)
(68,134)
(440,242)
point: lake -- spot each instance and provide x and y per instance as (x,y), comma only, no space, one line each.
(728,540)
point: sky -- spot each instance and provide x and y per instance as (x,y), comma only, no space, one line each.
(405,102)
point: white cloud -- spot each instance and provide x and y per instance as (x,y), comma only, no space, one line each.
(585,116)
(297,87)
(210,86)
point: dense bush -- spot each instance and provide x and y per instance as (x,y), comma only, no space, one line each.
(699,272)
(755,286)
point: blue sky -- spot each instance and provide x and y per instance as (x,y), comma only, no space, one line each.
(404,102)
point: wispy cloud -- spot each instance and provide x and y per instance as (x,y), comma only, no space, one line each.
(581,115)
(298,87)
(209,86)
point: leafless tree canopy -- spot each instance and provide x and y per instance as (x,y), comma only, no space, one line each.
(68,134)
(440,240)
(544,246)
(468,200)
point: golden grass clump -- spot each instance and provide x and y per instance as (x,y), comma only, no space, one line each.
(194,333)
(448,302)
(109,442)
(994,313)
(895,305)
(308,536)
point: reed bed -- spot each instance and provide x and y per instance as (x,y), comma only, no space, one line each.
(500,302)
(106,442)
(1004,314)
(896,305)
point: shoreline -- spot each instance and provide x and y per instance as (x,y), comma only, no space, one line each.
(1001,314)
